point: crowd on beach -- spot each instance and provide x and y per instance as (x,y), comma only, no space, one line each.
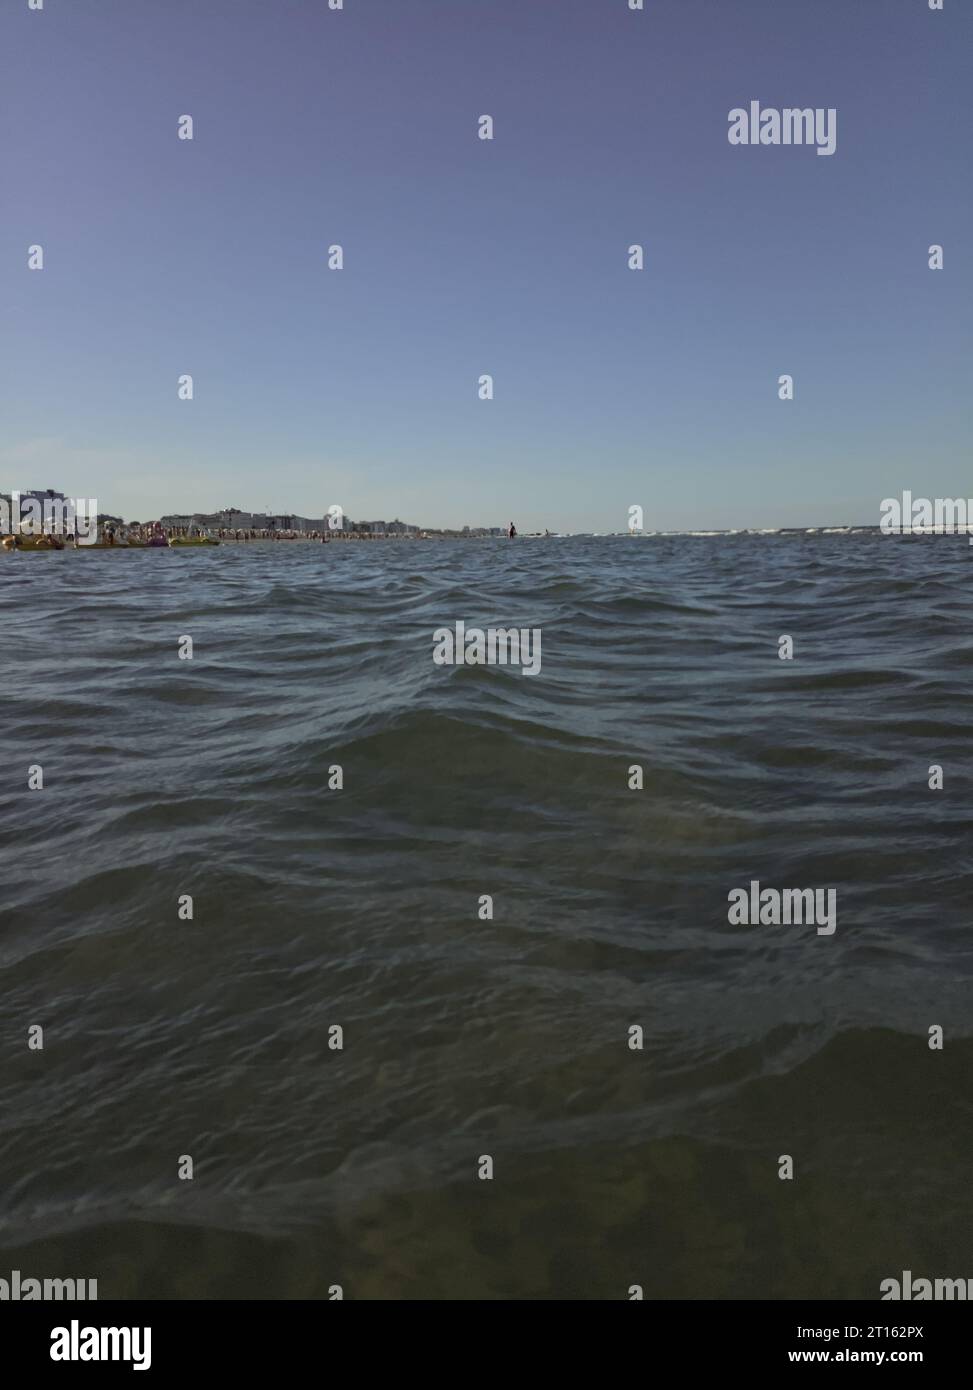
(225,534)
(153,533)
(140,535)
(108,534)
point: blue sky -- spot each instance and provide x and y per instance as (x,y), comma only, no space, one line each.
(462,257)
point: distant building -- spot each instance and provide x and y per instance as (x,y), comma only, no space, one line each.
(232,518)
(235,519)
(386,528)
(36,494)
(48,495)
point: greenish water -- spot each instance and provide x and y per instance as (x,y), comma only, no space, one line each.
(462,1037)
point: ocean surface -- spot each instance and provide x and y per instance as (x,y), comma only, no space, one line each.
(466,1036)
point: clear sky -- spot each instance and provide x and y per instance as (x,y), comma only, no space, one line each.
(462,257)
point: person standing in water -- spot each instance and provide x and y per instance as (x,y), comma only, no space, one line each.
(511,531)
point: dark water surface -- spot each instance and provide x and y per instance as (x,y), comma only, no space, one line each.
(507,1037)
